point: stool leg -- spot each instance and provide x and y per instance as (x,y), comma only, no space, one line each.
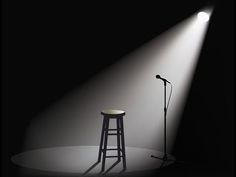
(118,138)
(123,143)
(105,144)
(101,140)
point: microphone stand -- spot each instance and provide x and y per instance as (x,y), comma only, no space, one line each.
(165,157)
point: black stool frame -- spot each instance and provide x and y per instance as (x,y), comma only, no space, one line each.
(120,139)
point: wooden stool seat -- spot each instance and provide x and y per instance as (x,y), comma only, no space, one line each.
(113,112)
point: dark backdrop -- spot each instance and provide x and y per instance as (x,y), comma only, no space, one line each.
(50,48)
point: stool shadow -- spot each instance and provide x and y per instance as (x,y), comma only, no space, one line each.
(112,166)
(90,168)
(101,172)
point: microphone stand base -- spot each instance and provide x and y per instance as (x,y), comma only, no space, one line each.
(165,159)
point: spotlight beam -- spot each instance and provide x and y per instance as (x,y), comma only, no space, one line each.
(75,120)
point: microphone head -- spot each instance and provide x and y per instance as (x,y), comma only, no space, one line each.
(158,76)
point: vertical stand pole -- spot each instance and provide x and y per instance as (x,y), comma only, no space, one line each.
(165,157)
(165,137)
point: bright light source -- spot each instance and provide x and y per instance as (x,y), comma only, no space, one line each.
(203,16)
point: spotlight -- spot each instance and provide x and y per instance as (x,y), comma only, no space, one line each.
(203,16)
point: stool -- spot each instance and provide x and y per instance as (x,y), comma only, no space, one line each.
(119,132)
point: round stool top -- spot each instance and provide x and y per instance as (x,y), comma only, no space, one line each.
(113,112)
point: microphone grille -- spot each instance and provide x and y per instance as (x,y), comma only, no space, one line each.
(158,76)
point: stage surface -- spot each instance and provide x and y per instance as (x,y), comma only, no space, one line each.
(81,160)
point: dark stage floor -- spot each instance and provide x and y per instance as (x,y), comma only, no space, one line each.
(77,160)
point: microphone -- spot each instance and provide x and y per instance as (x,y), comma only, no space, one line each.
(159,77)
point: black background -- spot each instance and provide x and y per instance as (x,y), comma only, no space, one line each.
(50,48)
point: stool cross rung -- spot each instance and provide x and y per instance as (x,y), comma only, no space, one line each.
(113,129)
(113,156)
(112,134)
(112,149)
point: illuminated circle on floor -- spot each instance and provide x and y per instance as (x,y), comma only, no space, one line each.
(78,159)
